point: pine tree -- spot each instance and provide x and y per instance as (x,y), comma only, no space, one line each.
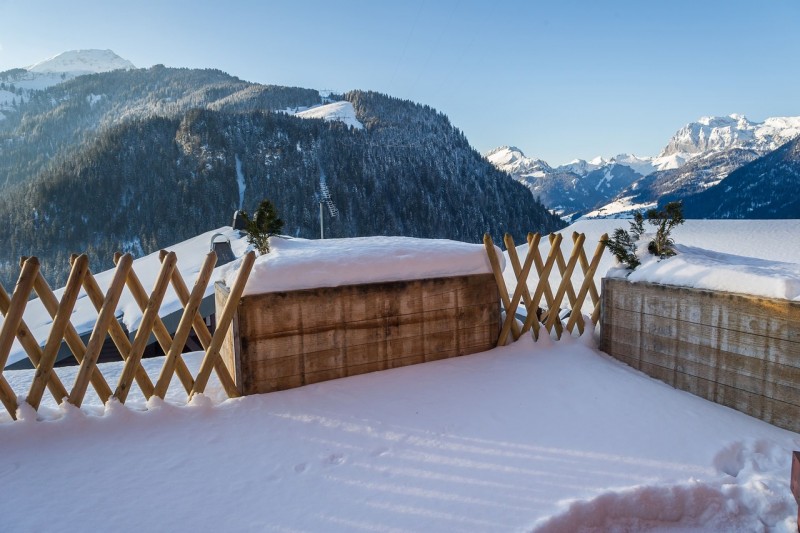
(262,226)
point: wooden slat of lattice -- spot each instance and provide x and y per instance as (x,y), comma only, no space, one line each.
(13,318)
(159,329)
(203,335)
(501,284)
(33,350)
(543,286)
(71,336)
(145,326)
(57,330)
(522,286)
(192,306)
(106,316)
(588,282)
(118,335)
(223,322)
(566,283)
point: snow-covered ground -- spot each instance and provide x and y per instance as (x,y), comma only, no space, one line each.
(548,436)
(529,437)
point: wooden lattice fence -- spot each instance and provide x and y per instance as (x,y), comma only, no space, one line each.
(62,330)
(547,314)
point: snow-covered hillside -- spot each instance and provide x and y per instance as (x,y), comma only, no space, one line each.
(341,111)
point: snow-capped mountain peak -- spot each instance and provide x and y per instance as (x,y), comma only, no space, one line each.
(515,162)
(715,134)
(82,62)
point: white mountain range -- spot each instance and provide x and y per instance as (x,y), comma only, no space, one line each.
(698,156)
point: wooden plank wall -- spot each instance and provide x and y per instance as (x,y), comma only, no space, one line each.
(737,350)
(289,339)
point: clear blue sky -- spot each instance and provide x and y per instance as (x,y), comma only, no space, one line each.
(560,79)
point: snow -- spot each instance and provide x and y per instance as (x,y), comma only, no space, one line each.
(704,269)
(532,436)
(82,62)
(714,134)
(341,111)
(745,256)
(190,254)
(240,181)
(757,249)
(545,436)
(620,208)
(295,264)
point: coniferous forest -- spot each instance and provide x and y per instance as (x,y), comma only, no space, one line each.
(138,160)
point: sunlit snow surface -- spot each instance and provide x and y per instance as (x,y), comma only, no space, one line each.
(548,436)
(543,437)
(294,264)
(341,111)
(755,257)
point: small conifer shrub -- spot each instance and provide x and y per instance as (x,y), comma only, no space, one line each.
(665,221)
(623,243)
(264,224)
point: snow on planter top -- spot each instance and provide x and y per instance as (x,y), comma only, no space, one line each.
(705,269)
(295,264)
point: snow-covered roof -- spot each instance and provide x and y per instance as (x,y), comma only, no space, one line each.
(190,253)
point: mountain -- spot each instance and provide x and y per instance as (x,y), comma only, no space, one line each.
(718,134)
(762,189)
(79,62)
(135,160)
(697,157)
(43,129)
(568,189)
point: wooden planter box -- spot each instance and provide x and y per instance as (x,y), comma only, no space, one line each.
(282,340)
(737,350)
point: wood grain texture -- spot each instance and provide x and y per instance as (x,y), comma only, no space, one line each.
(288,339)
(737,350)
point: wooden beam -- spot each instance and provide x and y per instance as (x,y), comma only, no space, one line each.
(58,329)
(33,350)
(118,335)
(71,336)
(192,306)
(501,284)
(145,326)
(223,322)
(8,332)
(203,335)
